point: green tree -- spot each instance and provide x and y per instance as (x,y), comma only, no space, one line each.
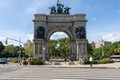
(107,50)
(53,48)
(89,50)
(97,53)
(59,48)
(11,51)
(1,48)
(29,50)
(64,47)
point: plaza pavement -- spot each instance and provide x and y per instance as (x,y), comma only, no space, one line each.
(60,72)
(76,65)
(67,65)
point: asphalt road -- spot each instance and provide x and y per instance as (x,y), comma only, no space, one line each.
(6,68)
(47,73)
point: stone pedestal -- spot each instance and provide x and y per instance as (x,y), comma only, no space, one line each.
(39,48)
(81,49)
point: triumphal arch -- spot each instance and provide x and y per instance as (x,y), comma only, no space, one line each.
(60,19)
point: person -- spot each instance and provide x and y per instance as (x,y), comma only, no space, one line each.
(25,62)
(81,61)
(91,59)
(65,60)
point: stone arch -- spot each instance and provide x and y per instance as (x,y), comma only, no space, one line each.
(66,23)
(61,30)
(68,32)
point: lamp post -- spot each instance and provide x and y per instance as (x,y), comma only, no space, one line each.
(44,55)
(19,56)
(102,50)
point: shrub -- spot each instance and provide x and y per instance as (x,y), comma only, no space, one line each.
(103,61)
(15,60)
(86,61)
(93,62)
(106,60)
(36,62)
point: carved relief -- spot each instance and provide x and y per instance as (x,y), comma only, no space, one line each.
(39,33)
(80,32)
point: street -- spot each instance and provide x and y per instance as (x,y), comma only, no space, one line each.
(49,73)
(6,68)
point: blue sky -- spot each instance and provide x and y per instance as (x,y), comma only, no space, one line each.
(103,17)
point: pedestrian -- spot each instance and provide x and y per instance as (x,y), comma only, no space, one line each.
(65,60)
(24,62)
(90,59)
(81,61)
(27,61)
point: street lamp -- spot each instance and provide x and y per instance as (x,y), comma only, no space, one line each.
(44,55)
(102,50)
(19,56)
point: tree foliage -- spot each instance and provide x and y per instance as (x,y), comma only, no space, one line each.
(1,48)
(89,50)
(106,50)
(13,51)
(53,51)
(59,48)
(64,47)
(29,50)
(10,51)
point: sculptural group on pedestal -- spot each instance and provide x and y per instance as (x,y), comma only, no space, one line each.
(60,9)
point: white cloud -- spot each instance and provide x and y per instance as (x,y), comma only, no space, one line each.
(13,34)
(30,37)
(107,36)
(58,35)
(111,37)
(2,38)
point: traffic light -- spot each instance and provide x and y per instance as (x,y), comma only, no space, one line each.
(6,41)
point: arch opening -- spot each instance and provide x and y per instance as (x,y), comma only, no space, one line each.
(59,45)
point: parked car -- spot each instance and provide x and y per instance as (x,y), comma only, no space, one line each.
(9,59)
(3,60)
(115,58)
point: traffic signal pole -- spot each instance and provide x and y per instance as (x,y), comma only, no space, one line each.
(19,57)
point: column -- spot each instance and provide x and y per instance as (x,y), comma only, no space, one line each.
(73,51)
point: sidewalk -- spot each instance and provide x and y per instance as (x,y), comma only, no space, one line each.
(115,65)
(110,65)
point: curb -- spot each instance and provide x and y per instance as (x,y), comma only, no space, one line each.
(71,66)
(88,67)
(83,67)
